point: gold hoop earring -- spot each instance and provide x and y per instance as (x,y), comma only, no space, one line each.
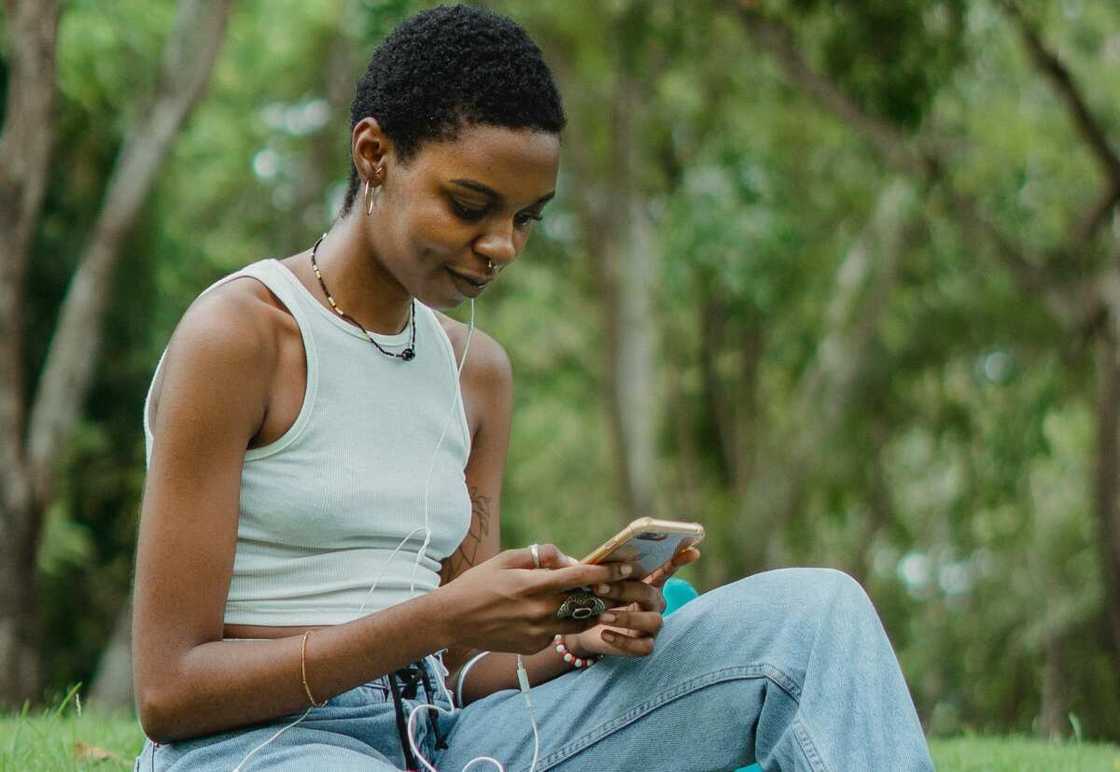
(368,199)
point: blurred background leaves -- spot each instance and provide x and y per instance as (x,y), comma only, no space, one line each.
(745,307)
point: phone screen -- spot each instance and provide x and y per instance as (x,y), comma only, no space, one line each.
(649,549)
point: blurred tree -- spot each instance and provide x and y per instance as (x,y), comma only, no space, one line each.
(24,154)
(1073,276)
(62,387)
(842,337)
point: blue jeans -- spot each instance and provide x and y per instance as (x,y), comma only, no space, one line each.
(789,668)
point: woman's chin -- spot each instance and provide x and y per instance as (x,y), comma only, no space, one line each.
(441,299)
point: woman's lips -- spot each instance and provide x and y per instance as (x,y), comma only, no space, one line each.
(469,285)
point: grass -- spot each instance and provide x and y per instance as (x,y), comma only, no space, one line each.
(1022,754)
(66,738)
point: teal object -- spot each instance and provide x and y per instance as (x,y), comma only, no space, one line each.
(678,592)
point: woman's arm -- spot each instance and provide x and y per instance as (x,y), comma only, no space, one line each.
(487,387)
(487,390)
(190,682)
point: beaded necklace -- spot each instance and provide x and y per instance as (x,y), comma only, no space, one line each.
(408,353)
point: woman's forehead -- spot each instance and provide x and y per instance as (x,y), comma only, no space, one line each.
(518,164)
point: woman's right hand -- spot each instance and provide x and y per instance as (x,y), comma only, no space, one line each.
(507,604)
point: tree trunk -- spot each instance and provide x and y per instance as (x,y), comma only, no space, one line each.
(1052,721)
(189,56)
(620,244)
(28,457)
(25,145)
(865,279)
(632,370)
(19,618)
(624,258)
(880,506)
(112,686)
(1107,488)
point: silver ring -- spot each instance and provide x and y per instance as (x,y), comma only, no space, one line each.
(535,551)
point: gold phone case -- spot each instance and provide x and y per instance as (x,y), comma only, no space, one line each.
(665,538)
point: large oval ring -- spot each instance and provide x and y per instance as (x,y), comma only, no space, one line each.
(581,605)
(535,551)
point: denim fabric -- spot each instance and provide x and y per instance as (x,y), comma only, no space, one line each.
(789,668)
(356,730)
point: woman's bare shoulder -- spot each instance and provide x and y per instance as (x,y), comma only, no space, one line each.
(487,360)
(232,329)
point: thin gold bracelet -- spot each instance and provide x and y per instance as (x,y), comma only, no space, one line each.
(303,672)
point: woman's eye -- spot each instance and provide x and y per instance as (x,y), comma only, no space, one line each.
(523,219)
(467,212)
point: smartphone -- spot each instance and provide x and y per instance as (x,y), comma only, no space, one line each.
(648,543)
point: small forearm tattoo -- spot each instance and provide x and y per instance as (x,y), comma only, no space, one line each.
(467,555)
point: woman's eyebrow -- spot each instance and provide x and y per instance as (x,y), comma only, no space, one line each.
(489,191)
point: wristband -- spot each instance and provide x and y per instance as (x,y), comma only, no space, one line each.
(463,676)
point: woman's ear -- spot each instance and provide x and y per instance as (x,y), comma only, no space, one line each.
(370,147)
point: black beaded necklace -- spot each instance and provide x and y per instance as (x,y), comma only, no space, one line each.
(408,353)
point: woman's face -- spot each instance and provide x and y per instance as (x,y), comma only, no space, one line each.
(457,204)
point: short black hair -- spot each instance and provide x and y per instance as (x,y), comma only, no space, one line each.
(449,67)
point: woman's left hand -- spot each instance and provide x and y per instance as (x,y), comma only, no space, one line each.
(628,629)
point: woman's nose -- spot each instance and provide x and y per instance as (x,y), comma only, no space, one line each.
(498,248)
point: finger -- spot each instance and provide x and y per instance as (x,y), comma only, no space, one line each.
(644,596)
(635,591)
(573,626)
(684,557)
(625,645)
(552,557)
(523,557)
(661,574)
(640,622)
(585,575)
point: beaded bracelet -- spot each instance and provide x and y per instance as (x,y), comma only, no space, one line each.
(572,659)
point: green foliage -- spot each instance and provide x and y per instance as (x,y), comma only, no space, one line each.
(958,482)
(894,56)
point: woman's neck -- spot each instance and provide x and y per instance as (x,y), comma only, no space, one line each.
(357,278)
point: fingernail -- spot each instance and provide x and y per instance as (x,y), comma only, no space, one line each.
(608,635)
(608,617)
(603,589)
(627,569)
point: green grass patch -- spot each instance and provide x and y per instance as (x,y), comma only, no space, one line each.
(1023,754)
(65,739)
(53,741)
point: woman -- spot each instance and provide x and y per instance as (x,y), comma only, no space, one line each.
(319,553)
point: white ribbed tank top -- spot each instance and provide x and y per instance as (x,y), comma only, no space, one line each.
(323,506)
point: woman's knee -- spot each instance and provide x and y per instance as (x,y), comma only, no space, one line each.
(828,585)
(794,593)
(780,598)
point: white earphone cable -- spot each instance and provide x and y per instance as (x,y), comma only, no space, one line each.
(521,674)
